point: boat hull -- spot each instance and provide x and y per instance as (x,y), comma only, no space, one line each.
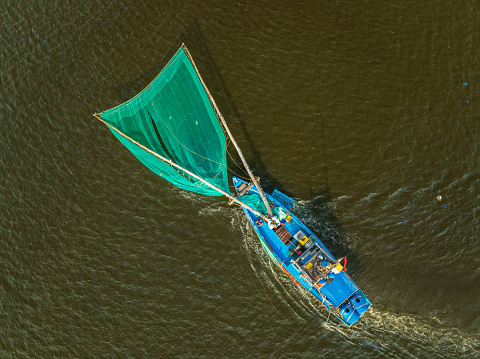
(341,296)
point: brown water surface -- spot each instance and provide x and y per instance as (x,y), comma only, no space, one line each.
(356,109)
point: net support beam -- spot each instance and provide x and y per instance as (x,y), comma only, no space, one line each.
(250,173)
(224,124)
(170,162)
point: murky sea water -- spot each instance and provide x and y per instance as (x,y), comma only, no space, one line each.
(358,110)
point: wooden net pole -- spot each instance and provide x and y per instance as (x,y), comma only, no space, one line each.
(170,162)
(224,124)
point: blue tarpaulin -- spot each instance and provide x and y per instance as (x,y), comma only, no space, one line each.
(339,289)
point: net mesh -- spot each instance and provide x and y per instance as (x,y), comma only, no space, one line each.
(174,118)
(254,201)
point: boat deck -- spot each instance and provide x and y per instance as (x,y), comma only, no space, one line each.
(307,261)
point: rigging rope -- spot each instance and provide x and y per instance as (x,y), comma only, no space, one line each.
(237,164)
(208,159)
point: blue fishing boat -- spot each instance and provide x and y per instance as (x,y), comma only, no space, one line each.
(175,128)
(301,254)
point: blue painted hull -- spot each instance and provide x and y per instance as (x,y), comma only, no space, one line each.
(306,266)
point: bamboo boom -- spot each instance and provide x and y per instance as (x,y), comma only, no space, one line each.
(255,182)
(224,124)
(170,162)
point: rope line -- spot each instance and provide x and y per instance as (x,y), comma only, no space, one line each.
(227,142)
(199,155)
(237,166)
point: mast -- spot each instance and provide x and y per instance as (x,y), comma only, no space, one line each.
(170,162)
(254,180)
(224,124)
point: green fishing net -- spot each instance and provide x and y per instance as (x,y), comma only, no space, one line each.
(174,118)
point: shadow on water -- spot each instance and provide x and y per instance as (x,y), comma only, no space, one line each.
(317,213)
(318,210)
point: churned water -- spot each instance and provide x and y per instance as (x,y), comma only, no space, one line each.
(365,112)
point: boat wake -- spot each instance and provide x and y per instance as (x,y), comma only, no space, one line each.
(408,336)
(394,335)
